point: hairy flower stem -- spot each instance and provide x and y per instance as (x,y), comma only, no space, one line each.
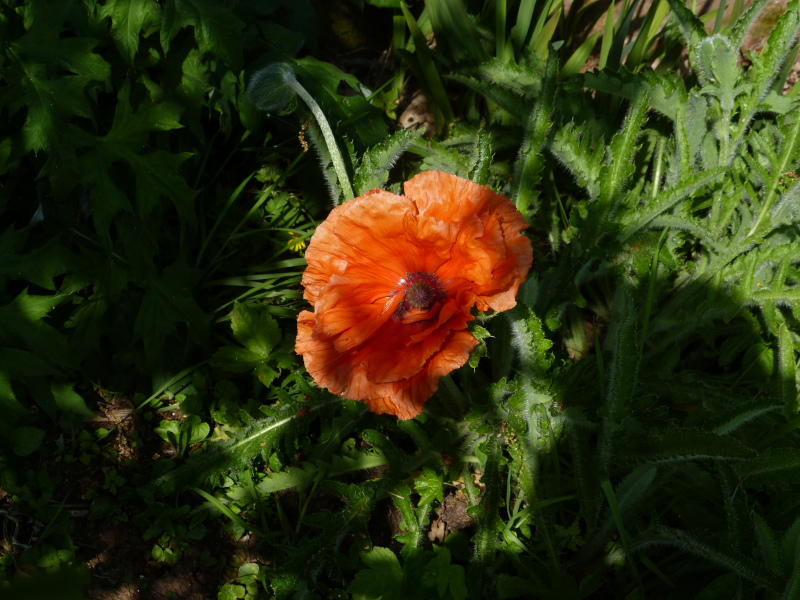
(725,157)
(275,89)
(327,133)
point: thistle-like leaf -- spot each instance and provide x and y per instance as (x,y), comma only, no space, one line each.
(712,551)
(576,149)
(740,415)
(775,467)
(691,444)
(623,372)
(672,197)
(740,28)
(531,159)
(780,42)
(373,170)
(691,27)
(481,157)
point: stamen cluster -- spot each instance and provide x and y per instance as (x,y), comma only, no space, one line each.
(422,290)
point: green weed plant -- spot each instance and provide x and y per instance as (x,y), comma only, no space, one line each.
(629,430)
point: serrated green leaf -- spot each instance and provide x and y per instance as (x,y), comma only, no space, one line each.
(740,415)
(623,371)
(157,173)
(255,328)
(107,199)
(39,266)
(429,486)
(672,197)
(531,160)
(691,27)
(774,466)
(381,579)
(168,300)
(21,363)
(715,552)
(445,577)
(216,28)
(692,444)
(373,170)
(236,360)
(129,20)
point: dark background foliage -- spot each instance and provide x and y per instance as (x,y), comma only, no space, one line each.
(629,430)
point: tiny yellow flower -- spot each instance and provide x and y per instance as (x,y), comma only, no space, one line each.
(296,244)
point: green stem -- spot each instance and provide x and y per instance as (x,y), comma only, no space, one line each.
(327,133)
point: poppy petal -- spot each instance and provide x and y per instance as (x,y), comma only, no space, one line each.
(392,280)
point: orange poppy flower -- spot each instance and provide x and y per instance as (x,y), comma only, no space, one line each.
(392,280)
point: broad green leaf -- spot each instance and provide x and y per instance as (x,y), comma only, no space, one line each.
(442,575)
(39,266)
(134,127)
(21,363)
(725,586)
(52,75)
(188,82)
(13,411)
(67,400)
(169,431)
(26,440)
(236,360)
(196,430)
(129,20)
(156,174)
(351,116)
(21,324)
(216,28)
(107,279)
(301,478)
(168,301)
(381,579)
(107,199)
(255,328)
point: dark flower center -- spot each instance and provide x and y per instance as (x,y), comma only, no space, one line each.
(422,290)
